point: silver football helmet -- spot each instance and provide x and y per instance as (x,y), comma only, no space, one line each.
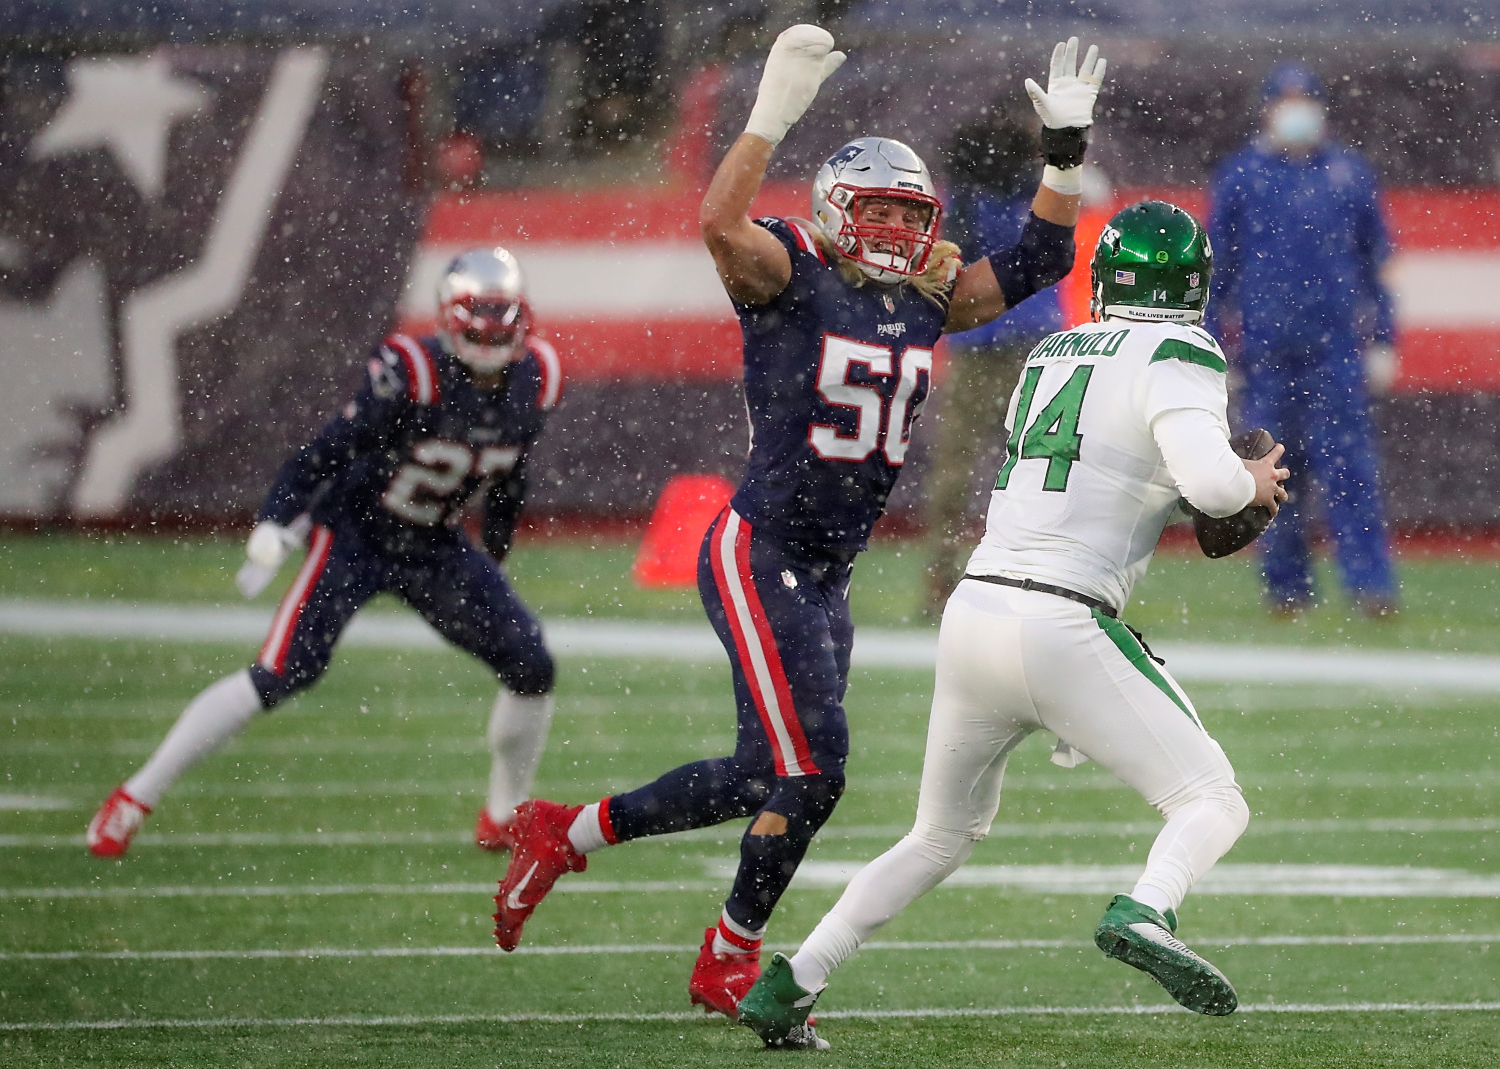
(482,308)
(877,168)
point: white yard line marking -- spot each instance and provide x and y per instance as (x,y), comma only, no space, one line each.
(1352,881)
(372,890)
(34,803)
(414,1020)
(1401,670)
(612,949)
(729,833)
(1343,881)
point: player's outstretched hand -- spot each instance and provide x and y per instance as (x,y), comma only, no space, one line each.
(799,61)
(1068,101)
(1269,475)
(270,544)
(268,547)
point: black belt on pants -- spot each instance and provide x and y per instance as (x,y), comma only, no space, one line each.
(1048,588)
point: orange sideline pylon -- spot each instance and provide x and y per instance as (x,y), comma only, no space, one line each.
(669,553)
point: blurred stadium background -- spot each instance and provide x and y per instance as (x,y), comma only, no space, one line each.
(162,361)
(209,211)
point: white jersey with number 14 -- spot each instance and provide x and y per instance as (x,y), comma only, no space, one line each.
(1084,492)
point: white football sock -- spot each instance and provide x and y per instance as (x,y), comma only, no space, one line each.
(732,937)
(587,831)
(212,718)
(517,736)
(882,889)
(1154,897)
(1197,834)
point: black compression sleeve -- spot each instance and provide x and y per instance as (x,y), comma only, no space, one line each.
(1044,255)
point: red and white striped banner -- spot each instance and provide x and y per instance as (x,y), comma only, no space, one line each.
(620,281)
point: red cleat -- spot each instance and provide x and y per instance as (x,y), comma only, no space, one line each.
(116,823)
(492,834)
(541,854)
(719,981)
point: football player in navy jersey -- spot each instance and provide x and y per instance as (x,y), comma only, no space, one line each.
(839,314)
(377,494)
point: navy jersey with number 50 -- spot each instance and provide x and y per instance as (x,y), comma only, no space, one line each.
(417,443)
(835,376)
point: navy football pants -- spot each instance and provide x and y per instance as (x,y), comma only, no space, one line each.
(1311,396)
(784,619)
(457,589)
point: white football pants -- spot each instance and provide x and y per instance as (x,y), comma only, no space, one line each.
(1011,662)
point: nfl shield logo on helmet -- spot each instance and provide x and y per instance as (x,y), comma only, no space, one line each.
(1125,278)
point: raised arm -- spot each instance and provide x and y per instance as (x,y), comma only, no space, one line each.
(752,264)
(1002,278)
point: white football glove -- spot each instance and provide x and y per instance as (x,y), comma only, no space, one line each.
(799,61)
(1069,98)
(266,550)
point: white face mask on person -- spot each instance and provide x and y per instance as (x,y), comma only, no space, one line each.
(1296,124)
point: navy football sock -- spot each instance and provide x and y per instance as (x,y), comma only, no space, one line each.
(775,842)
(697,795)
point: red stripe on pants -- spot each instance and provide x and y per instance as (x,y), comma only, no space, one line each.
(284,624)
(769,689)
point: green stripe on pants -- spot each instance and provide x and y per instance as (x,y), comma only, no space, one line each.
(1126,643)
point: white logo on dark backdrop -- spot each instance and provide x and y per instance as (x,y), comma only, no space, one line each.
(127,106)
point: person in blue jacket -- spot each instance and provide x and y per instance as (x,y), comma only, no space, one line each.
(1298,246)
(991,173)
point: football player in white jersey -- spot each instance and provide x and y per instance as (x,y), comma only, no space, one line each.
(1111,425)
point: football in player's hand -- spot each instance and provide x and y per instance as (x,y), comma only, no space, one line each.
(1230,534)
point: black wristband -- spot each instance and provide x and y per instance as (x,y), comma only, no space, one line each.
(1044,255)
(1065,148)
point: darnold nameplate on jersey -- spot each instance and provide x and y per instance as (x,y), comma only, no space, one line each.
(1075,343)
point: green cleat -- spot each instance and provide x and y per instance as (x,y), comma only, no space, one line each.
(1140,936)
(776,1009)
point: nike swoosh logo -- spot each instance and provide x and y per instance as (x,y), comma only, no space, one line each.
(513,900)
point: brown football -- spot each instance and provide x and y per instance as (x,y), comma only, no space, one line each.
(1230,534)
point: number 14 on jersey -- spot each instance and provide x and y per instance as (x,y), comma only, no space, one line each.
(1053,434)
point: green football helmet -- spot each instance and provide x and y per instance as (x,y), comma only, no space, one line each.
(1152,263)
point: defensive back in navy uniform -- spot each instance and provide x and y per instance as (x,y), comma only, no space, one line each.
(419,440)
(436,422)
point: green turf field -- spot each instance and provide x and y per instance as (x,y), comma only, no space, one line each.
(309,897)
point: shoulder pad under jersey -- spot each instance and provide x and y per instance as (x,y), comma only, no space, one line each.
(549,368)
(408,357)
(794,234)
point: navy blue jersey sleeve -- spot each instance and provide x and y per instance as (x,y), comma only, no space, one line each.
(797,236)
(363,425)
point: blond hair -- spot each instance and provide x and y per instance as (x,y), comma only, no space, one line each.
(935,283)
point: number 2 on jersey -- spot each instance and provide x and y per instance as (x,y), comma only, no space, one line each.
(1053,435)
(421,488)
